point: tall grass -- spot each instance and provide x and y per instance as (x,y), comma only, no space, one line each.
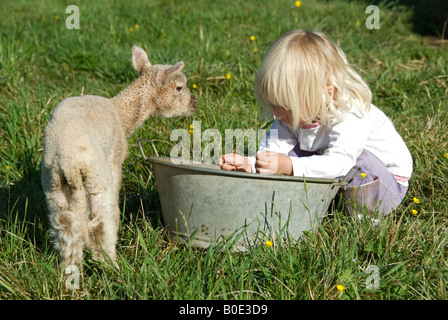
(42,62)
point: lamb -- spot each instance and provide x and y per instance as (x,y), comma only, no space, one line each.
(85,145)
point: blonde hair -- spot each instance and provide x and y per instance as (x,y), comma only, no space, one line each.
(295,74)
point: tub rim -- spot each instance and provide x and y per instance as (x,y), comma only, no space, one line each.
(195,167)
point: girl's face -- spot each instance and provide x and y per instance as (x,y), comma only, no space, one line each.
(285,116)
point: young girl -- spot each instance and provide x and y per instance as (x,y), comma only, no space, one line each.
(325,123)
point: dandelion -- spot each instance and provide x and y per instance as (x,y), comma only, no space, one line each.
(56,17)
(363,175)
(191,129)
(416,200)
(358,23)
(446,155)
(131,29)
(414,211)
(252,38)
(255,50)
(298,3)
(137,27)
(269,243)
(228,76)
(8,167)
(194,86)
(340,287)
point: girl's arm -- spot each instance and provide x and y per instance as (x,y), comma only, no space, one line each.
(347,139)
(272,156)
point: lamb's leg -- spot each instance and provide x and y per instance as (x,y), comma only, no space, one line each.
(66,205)
(102,227)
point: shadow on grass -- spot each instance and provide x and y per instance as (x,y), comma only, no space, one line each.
(23,207)
(429,18)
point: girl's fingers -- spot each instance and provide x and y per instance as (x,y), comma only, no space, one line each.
(262,164)
(234,162)
(228,167)
(233,158)
(265,170)
(266,156)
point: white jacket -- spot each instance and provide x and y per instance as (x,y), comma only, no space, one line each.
(340,143)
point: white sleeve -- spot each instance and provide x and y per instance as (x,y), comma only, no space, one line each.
(280,138)
(347,139)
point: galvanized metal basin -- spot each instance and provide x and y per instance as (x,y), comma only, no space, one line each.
(203,204)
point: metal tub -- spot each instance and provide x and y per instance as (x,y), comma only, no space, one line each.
(203,204)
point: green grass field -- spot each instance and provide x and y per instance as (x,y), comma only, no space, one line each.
(42,62)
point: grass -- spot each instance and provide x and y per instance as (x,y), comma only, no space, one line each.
(42,62)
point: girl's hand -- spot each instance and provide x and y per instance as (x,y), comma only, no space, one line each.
(235,162)
(273,163)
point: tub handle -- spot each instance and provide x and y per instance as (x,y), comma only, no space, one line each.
(346,180)
(139,142)
(350,175)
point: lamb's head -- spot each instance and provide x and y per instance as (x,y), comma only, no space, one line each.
(169,95)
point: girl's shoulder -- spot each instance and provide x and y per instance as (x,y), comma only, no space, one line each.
(354,109)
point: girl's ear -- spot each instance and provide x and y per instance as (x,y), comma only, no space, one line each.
(331,91)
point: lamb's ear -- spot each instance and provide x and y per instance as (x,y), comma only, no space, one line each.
(140,60)
(177,67)
(161,77)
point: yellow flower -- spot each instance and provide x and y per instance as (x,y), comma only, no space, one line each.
(416,200)
(363,175)
(255,50)
(228,76)
(446,155)
(414,211)
(137,26)
(269,243)
(131,29)
(358,23)
(252,38)
(298,3)
(56,17)
(8,167)
(194,86)
(340,287)
(191,129)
